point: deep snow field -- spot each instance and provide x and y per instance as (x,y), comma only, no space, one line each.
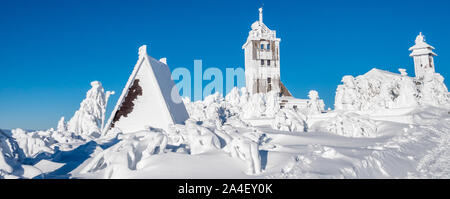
(384,126)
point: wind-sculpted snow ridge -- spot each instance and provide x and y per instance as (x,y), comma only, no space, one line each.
(378,90)
(88,121)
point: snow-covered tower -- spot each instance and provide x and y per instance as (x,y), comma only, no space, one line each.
(262,59)
(423,56)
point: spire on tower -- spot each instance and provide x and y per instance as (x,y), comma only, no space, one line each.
(420,38)
(261,15)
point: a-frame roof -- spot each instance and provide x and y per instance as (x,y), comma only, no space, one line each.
(149,99)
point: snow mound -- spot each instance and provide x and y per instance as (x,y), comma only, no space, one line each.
(289,120)
(124,157)
(351,125)
(89,119)
(378,89)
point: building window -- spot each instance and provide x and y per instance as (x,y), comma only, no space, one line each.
(262,62)
(268,46)
(262,46)
(268,62)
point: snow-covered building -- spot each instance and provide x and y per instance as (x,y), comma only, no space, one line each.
(262,59)
(149,99)
(262,64)
(380,89)
(423,56)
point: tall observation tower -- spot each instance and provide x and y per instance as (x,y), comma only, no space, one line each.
(262,59)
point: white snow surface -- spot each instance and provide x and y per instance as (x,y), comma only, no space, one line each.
(377,131)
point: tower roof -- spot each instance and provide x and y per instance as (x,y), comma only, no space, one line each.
(421,47)
(260,30)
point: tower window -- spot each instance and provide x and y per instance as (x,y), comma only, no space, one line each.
(268,46)
(262,62)
(268,62)
(262,46)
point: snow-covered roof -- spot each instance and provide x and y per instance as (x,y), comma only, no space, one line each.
(150,98)
(382,74)
(376,71)
(421,47)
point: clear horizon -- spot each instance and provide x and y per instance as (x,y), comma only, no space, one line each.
(51,50)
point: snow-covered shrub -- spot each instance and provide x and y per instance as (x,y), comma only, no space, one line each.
(347,95)
(33,143)
(272,103)
(62,125)
(289,120)
(233,97)
(198,139)
(255,107)
(351,125)
(216,111)
(378,89)
(120,159)
(89,119)
(433,90)
(315,105)
(407,91)
(10,156)
(244,146)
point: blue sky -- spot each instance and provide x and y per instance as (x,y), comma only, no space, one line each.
(50,51)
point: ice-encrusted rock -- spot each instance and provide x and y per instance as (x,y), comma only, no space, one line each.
(88,120)
(351,125)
